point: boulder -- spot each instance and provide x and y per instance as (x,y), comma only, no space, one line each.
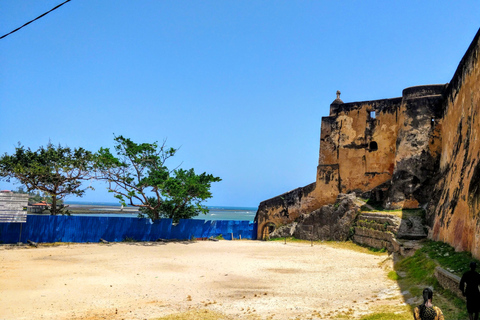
(330,222)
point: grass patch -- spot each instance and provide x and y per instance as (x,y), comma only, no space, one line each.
(419,270)
(382,313)
(438,253)
(387,316)
(292,239)
(202,314)
(393,275)
(377,250)
(447,258)
(401,213)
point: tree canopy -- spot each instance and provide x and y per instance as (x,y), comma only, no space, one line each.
(55,170)
(138,176)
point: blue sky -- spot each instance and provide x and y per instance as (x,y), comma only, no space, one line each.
(240,86)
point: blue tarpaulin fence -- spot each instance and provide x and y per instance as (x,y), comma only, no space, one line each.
(114,229)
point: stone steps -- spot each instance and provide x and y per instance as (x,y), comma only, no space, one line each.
(392,232)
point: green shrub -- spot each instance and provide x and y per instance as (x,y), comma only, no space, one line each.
(393,275)
(387,316)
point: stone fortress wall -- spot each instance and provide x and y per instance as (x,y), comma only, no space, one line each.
(418,150)
(454,210)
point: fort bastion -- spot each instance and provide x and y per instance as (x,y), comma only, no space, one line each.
(417,150)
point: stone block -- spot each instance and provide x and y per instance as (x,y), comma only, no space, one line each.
(449,281)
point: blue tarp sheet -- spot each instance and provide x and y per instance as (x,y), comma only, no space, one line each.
(39,228)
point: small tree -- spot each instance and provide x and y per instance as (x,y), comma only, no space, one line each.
(57,171)
(138,176)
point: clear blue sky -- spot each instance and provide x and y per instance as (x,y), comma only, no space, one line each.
(241,86)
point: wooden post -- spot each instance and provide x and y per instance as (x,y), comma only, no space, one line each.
(20,236)
(232,235)
(311,234)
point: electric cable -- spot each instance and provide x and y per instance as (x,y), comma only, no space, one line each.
(61,4)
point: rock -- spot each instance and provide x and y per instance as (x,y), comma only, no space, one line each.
(330,222)
(284,231)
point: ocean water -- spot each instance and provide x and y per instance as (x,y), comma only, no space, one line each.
(229,213)
(215,212)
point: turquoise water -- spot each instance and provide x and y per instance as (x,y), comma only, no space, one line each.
(216,212)
(229,213)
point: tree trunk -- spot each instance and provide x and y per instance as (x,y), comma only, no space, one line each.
(53,210)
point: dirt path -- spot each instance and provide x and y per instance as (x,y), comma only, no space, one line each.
(244,279)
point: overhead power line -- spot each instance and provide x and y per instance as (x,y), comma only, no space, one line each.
(61,4)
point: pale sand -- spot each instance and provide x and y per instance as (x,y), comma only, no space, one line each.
(242,279)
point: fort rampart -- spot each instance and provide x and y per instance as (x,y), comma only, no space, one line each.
(455,207)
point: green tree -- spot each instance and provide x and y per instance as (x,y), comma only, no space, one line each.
(137,174)
(57,171)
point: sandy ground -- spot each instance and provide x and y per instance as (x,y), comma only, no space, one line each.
(243,279)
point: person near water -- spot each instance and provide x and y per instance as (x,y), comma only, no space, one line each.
(427,311)
(471,278)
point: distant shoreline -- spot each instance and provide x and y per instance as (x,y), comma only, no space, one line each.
(100,209)
(105,209)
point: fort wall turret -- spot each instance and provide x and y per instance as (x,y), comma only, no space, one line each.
(359,137)
(418,146)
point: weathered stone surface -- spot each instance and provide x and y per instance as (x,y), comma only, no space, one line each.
(407,248)
(327,223)
(374,243)
(454,211)
(417,147)
(408,227)
(381,230)
(412,228)
(371,233)
(381,219)
(284,231)
(449,281)
(330,222)
(283,209)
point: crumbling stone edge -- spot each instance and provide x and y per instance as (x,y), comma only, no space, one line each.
(449,281)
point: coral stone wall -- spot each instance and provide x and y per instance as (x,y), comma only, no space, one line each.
(360,137)
(285,208)
(328,152)
(418,147)
(455,207)
(282,209)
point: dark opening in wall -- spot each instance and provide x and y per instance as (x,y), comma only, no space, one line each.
(373,146)
(267,229)
(474,192)
(378,195)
